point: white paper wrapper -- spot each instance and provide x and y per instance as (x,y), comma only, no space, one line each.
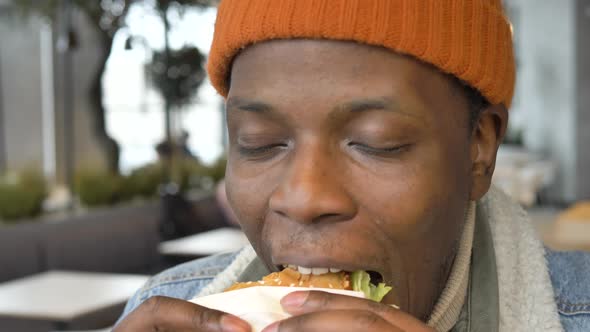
(259,306)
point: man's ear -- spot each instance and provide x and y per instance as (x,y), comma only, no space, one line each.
(486,137)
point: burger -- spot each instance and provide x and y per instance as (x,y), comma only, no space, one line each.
(264,307)
(291,276)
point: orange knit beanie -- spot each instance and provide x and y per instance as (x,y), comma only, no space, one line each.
(470,39)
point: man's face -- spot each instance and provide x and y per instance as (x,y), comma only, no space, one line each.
(348,156)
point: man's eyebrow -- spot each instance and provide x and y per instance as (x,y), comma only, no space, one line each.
(353,106)
(247,105)
(373,104)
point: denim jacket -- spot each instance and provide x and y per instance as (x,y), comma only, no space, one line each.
(570,274)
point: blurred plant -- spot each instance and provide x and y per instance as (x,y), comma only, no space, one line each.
(178,75)
(198,176)
(107,17)
(99,188)
(145,181)
(21,195)
(189,174)
(185,172)
(217,171)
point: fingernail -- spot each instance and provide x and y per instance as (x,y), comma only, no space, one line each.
(294,299)
(231,323)
(274,327)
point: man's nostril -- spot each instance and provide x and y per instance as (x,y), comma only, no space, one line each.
(325,217)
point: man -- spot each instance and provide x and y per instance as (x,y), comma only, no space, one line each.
(363,135)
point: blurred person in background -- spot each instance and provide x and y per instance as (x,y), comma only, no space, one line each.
(183,145)
(363,136)
(165,149)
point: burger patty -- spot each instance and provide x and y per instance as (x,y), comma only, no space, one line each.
(291,278)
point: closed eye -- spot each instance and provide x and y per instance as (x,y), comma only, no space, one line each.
(262,152)
(378,151)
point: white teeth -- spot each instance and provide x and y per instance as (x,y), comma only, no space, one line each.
(304,270)
(319,270)
(312,270)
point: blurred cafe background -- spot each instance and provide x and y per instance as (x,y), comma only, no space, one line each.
(112,147)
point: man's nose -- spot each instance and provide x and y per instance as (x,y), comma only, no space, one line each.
(313,191)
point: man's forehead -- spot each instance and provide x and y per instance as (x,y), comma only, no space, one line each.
(311,50)
(353,75)
(336,62)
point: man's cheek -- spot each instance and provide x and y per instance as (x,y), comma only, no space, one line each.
(238,198)
(246,204)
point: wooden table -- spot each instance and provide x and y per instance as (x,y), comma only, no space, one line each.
(205,244)
(61,297)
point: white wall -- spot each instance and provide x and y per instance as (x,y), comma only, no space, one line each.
(86,150)
(22,96)
(549,42)
(583,99)
(21,90)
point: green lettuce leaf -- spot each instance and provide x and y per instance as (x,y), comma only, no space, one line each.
(361,282)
